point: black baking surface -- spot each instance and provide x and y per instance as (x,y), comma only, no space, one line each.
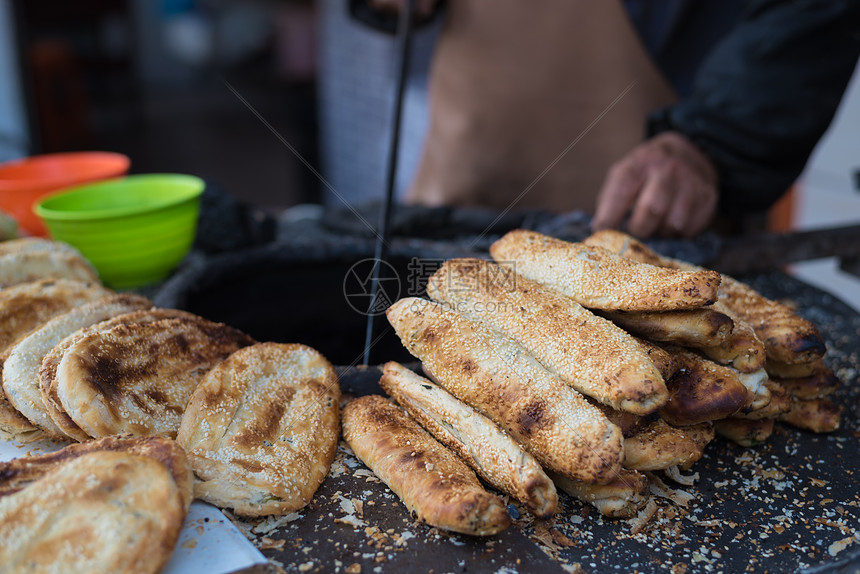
(790,504)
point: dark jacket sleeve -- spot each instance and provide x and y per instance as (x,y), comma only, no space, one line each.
(766,93)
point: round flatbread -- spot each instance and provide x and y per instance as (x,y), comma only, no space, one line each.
(137,378)
(19,473)
(102,512)
(261,430)
(31,258)
(24,308)
(48,370)
(21,369)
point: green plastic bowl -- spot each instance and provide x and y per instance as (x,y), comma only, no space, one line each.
(134,230)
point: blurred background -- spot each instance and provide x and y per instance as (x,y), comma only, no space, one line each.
(149,79)
(170,83)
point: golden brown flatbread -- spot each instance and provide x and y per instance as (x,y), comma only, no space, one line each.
(702,391)
(787,337)
(599,279)
(101,512)
(815,386)
(660,445)
(432,482)
(816,415)
(261,430)
(48,370)
(498,378)
(747,433)
(664,361)
(587,352)
(491,453)
(779,402)
(24,308)
(787,371)
(703,327)
(19,473)
(137,378)
(742,349)
(21,368)
(626,495)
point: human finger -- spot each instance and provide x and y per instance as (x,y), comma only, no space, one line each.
(622,185)
(653,203)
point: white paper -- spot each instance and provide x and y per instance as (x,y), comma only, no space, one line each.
(212,546)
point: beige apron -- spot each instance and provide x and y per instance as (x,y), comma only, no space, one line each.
(515,83)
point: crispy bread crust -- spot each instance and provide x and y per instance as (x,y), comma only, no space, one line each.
(786,336)
(435,485)
(113,381)
(48,370)
(261,430)
(585,351)
(817,415)
(781,370)
(705,327)
(628,423)
(21,368)
(815,386)
(702,391)
(600,279)
(24,308)
(498,378)
(24,245)
(747,433)
(664,361)
(624,245)
(720,332)
(14,425)
(622,498)
(660,445)
(19,473)
(494,455)
(779,402)
(742,350)
(101,512)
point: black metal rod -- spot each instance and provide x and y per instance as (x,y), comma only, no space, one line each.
(404,33)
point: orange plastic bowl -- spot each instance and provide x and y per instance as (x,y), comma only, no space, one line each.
(25,181)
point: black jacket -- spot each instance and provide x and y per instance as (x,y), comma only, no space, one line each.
(765,93)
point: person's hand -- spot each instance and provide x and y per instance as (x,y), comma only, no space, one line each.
(667,184)
(423,8)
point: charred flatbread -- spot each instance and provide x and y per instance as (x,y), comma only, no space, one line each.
(587,352)
(498,378)
(48,369)
(137,378)
(21,368)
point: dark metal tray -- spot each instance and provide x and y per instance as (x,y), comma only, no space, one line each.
(788,505)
